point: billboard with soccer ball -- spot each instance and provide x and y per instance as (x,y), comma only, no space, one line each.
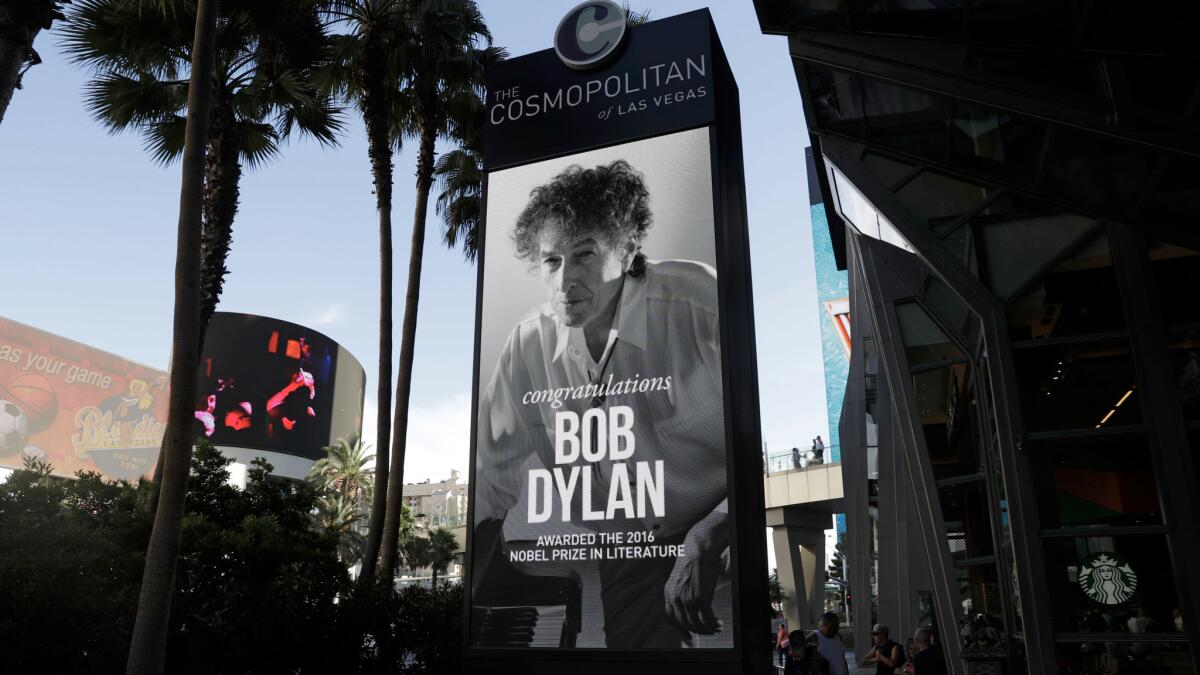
(77,408)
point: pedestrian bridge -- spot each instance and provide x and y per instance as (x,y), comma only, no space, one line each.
(801,498)
(807,485)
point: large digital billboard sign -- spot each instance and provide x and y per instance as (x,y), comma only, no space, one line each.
(613,382)
(77,408)
(268,384)
(600,451)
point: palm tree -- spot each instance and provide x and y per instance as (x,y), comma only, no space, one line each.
(460,177)
(268,54)
(343,471)
(147,648)
(443,56)
(442,549)
(340,515)
(20,22)
(415,551)
(365,71)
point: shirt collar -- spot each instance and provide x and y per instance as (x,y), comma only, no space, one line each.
(631,317)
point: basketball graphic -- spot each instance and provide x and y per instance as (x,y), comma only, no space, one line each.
(32,392)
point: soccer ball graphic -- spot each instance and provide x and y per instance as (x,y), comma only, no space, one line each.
(12,428)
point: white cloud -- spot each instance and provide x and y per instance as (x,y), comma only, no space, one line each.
(439,437)
(327,315)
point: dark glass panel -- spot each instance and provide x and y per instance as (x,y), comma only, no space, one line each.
(1095,481)
(937,200)
(950,309)
(1070,75)
(1175,191)
(937,19)
(1133,580)
(836,100)
(946,405)
(907,120)
(981,627)
(1077,386)
(997,142)
(1176,272)
(924,341)
(1102,173)
(968,522)
(889,171)
(1079,296)
(1154,87)
(1016,247)
(1109,658)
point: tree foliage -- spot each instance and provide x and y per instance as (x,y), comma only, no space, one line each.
(268,57)
(443,547)
(256,584)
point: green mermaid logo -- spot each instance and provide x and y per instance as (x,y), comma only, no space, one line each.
(1107,578)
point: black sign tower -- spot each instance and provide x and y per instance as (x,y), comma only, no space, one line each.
(617,519)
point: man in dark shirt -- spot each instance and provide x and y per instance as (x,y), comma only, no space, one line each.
(886,655)
(929,659)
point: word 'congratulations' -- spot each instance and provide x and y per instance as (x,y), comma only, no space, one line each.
(634,385)
(595,436)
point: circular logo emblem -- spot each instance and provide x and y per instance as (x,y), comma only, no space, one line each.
(1107,578)
(588,36)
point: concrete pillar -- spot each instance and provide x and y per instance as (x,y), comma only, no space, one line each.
(799,538)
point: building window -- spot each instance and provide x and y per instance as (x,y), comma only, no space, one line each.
(1103,658)
(1111,583)
(1095,481)
(1077,297)
(965,511)
(1086,385)
(981,617)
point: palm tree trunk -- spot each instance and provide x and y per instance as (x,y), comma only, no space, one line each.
(147,649)
(372,78)
(14,50)
(222,175)
(391,523)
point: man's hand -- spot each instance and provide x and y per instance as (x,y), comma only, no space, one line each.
(689,589)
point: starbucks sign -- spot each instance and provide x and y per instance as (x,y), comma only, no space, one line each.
(1107,578)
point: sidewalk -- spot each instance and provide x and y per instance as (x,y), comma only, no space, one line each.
(855,669)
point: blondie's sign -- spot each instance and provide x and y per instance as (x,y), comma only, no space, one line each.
(614,363)
(77,408)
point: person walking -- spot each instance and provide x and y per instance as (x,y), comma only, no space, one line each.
(782,643)
(818,450)
(830,645)
(886,654)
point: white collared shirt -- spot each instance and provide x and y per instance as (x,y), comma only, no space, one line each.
(667,327)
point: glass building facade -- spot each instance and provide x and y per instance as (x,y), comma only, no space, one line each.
(1014,191)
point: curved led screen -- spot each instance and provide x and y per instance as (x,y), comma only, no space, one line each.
(274,385)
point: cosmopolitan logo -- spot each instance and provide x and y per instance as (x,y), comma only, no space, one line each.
(588,36)
(659,85)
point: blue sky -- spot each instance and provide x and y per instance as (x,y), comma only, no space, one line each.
(87,228)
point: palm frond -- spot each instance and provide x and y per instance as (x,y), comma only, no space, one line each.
(258,142)
(119,101)
(164,139)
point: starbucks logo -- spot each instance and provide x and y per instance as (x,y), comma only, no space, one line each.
(1107,578)
(588,36)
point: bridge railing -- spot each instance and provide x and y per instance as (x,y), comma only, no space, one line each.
(786,460)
